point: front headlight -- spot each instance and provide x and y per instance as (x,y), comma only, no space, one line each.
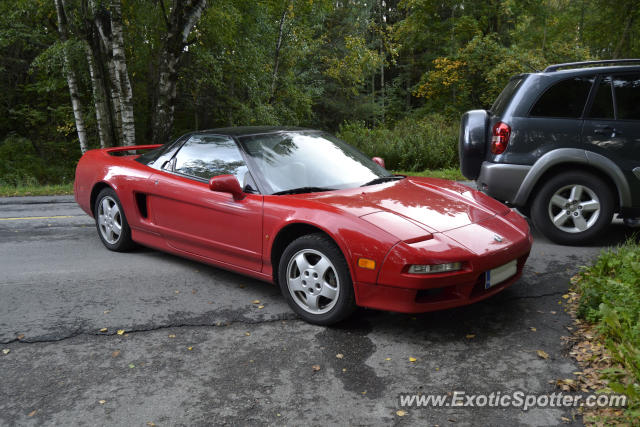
(435,268)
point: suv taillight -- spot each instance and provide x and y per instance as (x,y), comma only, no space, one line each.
(500,138)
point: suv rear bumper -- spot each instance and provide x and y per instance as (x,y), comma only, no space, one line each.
(501,181)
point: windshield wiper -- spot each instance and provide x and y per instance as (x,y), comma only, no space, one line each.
(382,179)
(301,190)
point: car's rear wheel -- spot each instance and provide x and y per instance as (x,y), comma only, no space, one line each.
(573,208)
(314,279)
(111,222)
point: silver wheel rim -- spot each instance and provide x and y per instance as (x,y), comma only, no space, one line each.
(109,220)
(313,281)
(574,208)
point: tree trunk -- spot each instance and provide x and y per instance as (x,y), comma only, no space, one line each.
(625,34)
(105,132)
(276,60)
(122,76)
(72,81)
(184,15)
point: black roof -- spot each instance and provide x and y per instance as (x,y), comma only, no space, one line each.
(251,130)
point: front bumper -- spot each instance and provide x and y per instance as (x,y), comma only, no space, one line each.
(474,245)
(501,181)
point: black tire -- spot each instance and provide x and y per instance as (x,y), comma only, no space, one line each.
(313,287)
(107,225)
(577,225)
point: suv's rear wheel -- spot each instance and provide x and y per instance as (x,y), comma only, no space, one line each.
(573,207)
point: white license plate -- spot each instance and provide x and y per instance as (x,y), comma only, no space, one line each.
(500,274)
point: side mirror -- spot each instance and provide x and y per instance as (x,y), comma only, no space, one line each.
(378,160)
(226,184)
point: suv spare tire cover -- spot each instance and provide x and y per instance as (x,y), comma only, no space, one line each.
(472,142)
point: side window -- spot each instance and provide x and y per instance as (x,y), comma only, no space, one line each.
(627,91)
(602,107)
(564,99)
(204,156)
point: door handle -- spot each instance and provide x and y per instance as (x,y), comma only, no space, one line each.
(605,130)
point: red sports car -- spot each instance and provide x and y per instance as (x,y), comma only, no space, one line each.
(304,210)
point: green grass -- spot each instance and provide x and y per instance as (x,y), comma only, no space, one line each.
(447,173)
(35,190)
(610,297)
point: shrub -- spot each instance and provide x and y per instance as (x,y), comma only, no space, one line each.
(610,297)
(412,145)
(22,164)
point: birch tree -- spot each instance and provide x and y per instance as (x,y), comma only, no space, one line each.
(182,17)
(72,81)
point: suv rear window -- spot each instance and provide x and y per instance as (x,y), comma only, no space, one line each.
(564,99)
(505,96)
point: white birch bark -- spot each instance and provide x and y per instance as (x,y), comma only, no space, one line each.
(72,81)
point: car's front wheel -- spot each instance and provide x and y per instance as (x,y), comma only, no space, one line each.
(111,222)
(573,208)
(314,279)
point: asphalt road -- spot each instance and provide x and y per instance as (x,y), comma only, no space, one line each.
(197,350)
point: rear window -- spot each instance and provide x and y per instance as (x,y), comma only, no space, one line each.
(505,96)
(565,99)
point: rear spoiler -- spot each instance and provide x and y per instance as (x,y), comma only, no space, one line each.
(112,150)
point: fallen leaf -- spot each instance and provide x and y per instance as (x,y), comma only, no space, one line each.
(107,311)
(565,296)
(412,359)
(247,333)
(542,354)
(172,335)
(189,348)
(102,402)
(339,356)
(401,413)
(344,369)
(103,329)
(32,413)
(261,306)
(151,423)
(552,312)
(565,419)
(120,332)
(177,292)
(533,329)
(316,367)
(255,301)
(131,366)
(115,353)
(387,358)
(20,336)
(6,351)
(194,291)
(470,336)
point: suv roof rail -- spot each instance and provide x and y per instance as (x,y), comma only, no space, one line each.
(556,67)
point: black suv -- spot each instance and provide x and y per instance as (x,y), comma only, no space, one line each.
(563,146)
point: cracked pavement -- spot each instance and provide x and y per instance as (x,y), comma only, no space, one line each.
(196,350)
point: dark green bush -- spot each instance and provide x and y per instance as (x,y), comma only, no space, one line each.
(412,145)
(610,297)
(23,163)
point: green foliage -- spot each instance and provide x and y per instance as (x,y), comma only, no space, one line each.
(610,297)
(26,164)
(412,145)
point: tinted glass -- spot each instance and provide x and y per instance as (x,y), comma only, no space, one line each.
(564,99)
(602,107)
(505,96)
(627,90)
(291,160)
(204,156)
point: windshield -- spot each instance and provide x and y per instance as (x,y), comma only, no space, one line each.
(308,160)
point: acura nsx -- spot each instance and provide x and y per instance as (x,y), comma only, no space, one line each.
(303,210)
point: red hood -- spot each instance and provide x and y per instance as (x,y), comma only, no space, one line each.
(436,205)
